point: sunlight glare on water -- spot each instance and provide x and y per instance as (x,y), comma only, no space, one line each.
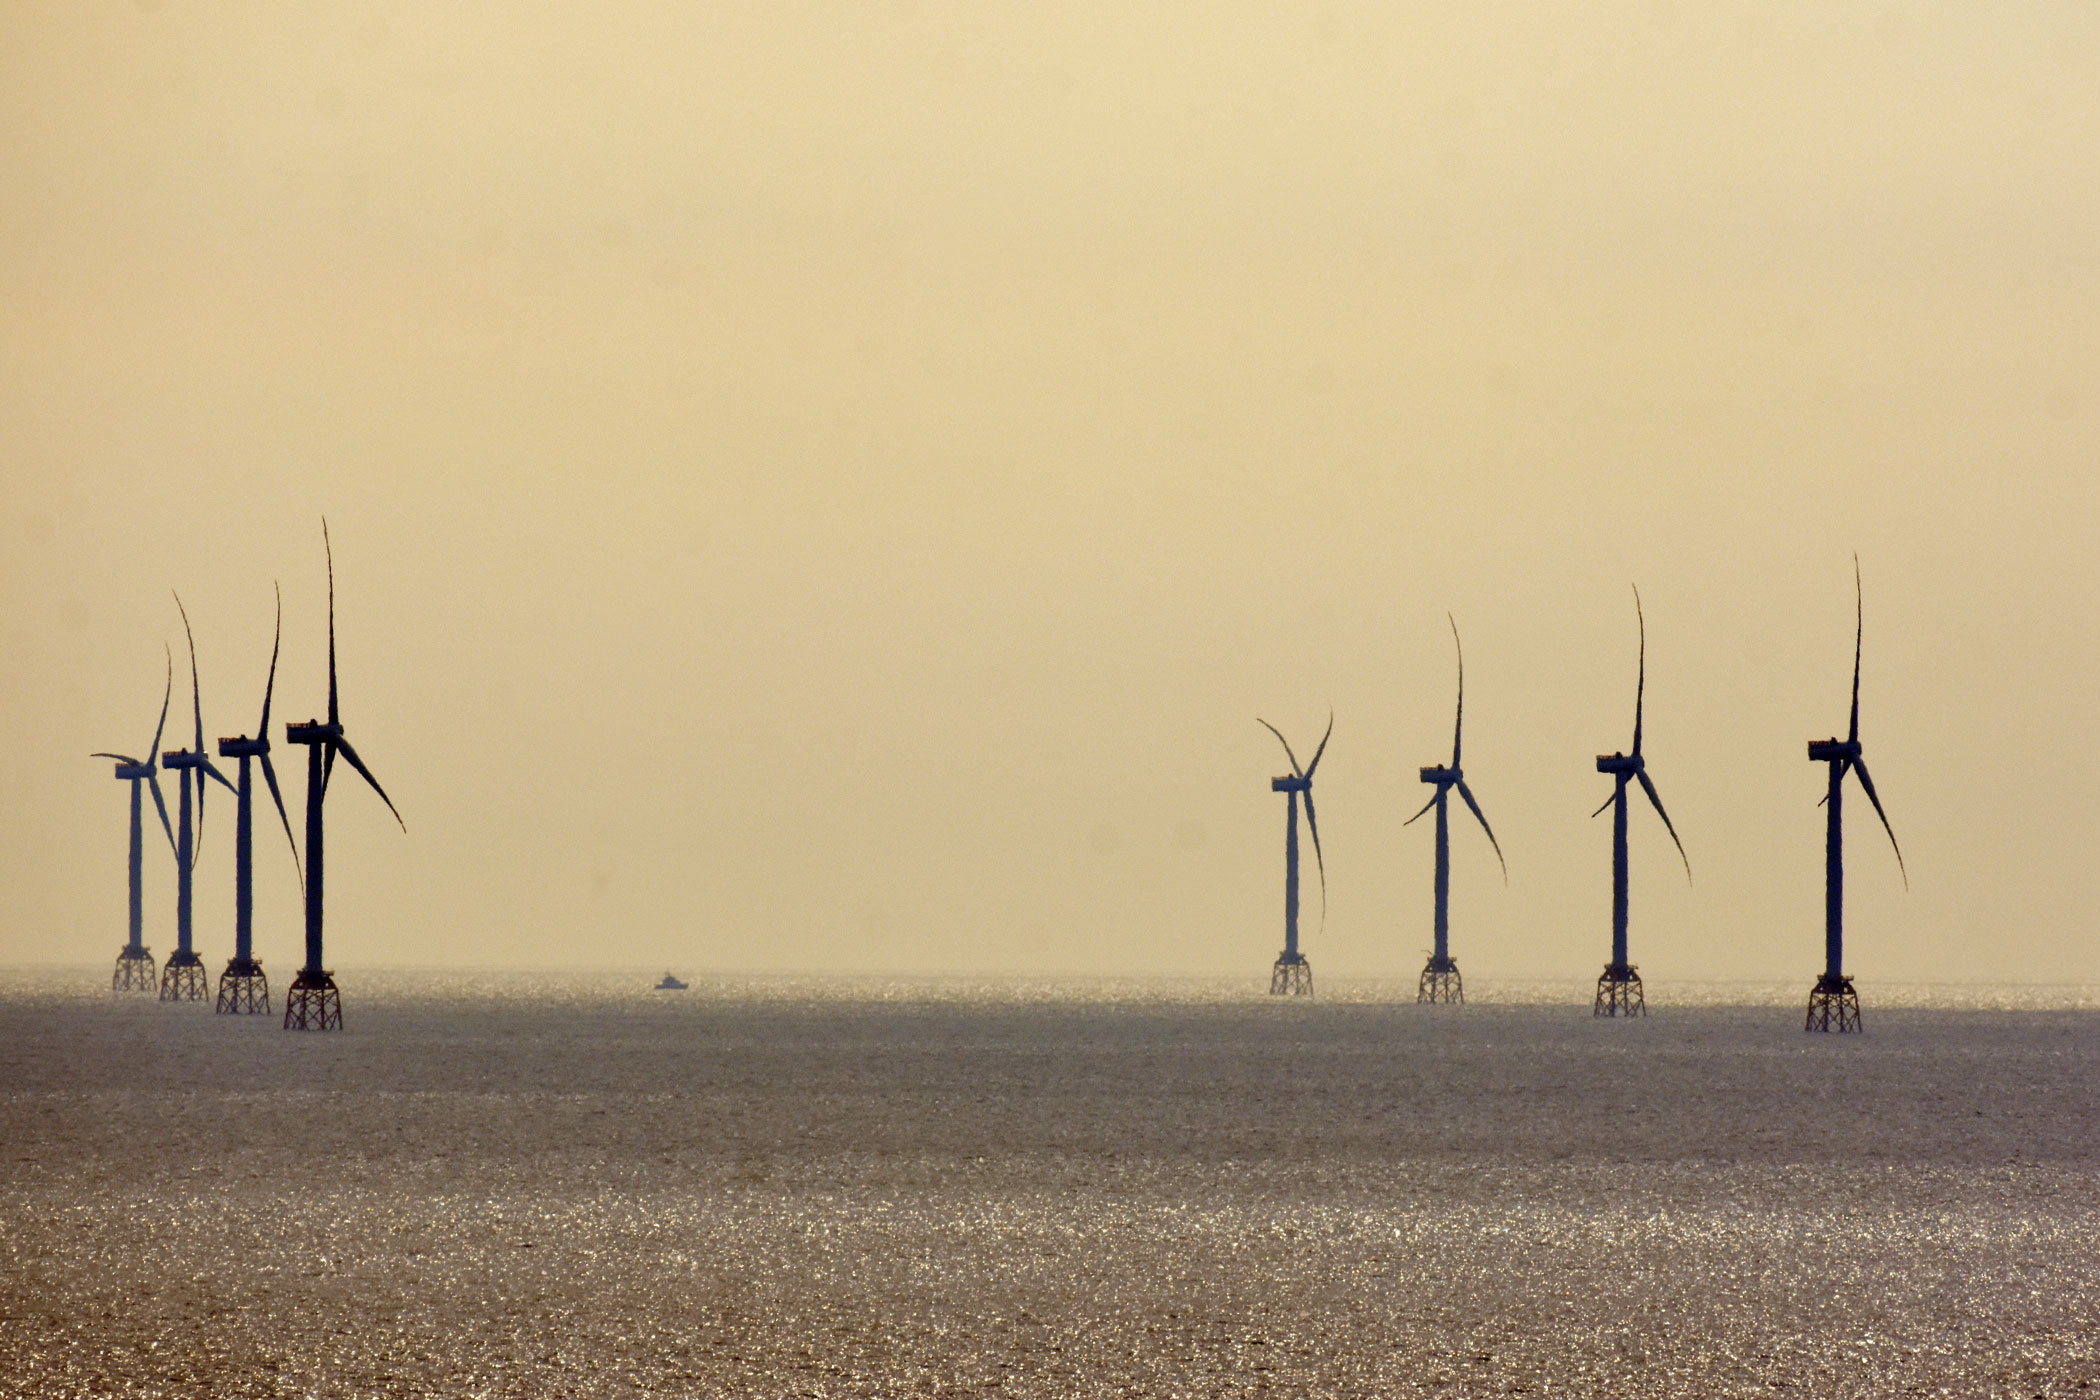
(564,1183)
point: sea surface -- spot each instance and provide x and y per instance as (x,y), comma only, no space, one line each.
(575,1186)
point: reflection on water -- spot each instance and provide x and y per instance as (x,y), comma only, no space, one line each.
(563,1184)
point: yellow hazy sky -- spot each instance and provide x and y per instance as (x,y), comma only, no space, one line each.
(830,487)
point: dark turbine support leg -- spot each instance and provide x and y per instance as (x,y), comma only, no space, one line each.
(134,971)
(1292,976)
(313,1004)
(1833,1006)
(184,979)
(1619,992)
(243,989)
(1441,984)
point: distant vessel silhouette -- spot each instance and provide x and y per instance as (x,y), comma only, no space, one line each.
(670,984)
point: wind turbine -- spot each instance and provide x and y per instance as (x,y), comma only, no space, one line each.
(184,978)
(242,986)
(1440,979)
(1833,999)
(1619,991)
(313,1004)
(1292,973)
(134,970)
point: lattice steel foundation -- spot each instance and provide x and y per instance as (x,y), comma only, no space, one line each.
(1833,1006)
(1619,992)
(243,989)
(313,1004)
(184,979)
(1292,976)
(1441,983)
(134,971)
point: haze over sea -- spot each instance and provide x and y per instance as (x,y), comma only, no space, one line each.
(567,1184)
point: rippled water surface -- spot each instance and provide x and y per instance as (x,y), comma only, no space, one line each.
(572,1186)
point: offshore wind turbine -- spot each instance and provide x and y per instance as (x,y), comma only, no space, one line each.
(313,1004)
(134,969)
(183,977)
(1440,977)
(1832,1003)
(1292,974)
(1619,991)
(242,986)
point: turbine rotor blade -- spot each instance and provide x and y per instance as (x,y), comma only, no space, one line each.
(1425,807)
(121,758)
(167,694)
(197,711)
(1314,766)
(350,757)
(162,807)
(1312,823)
(1859,766)
(1295,769)
(196,701)
(1617,788)
(270,777)
(334,716)
(1640,692)
(197,836)
(262,728)
(1467,793)
(1858,633)
(1458,727)
(1649,788)
(208,768)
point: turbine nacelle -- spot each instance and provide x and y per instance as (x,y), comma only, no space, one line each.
(312,732)
(241,746)
(1620,763)
(182,758)
(1290,785)
(1833,750)
(1442,776)
(135,770)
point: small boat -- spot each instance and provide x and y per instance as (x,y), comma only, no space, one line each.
(670,984)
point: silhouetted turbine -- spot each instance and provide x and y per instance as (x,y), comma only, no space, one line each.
(1833,997)
(1292,973)
(313,1003)
(184,978)
(1440,977)
(1619,991)
(134,970)
(242,986)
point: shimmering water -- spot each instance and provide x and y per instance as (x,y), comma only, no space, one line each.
(573,1186)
